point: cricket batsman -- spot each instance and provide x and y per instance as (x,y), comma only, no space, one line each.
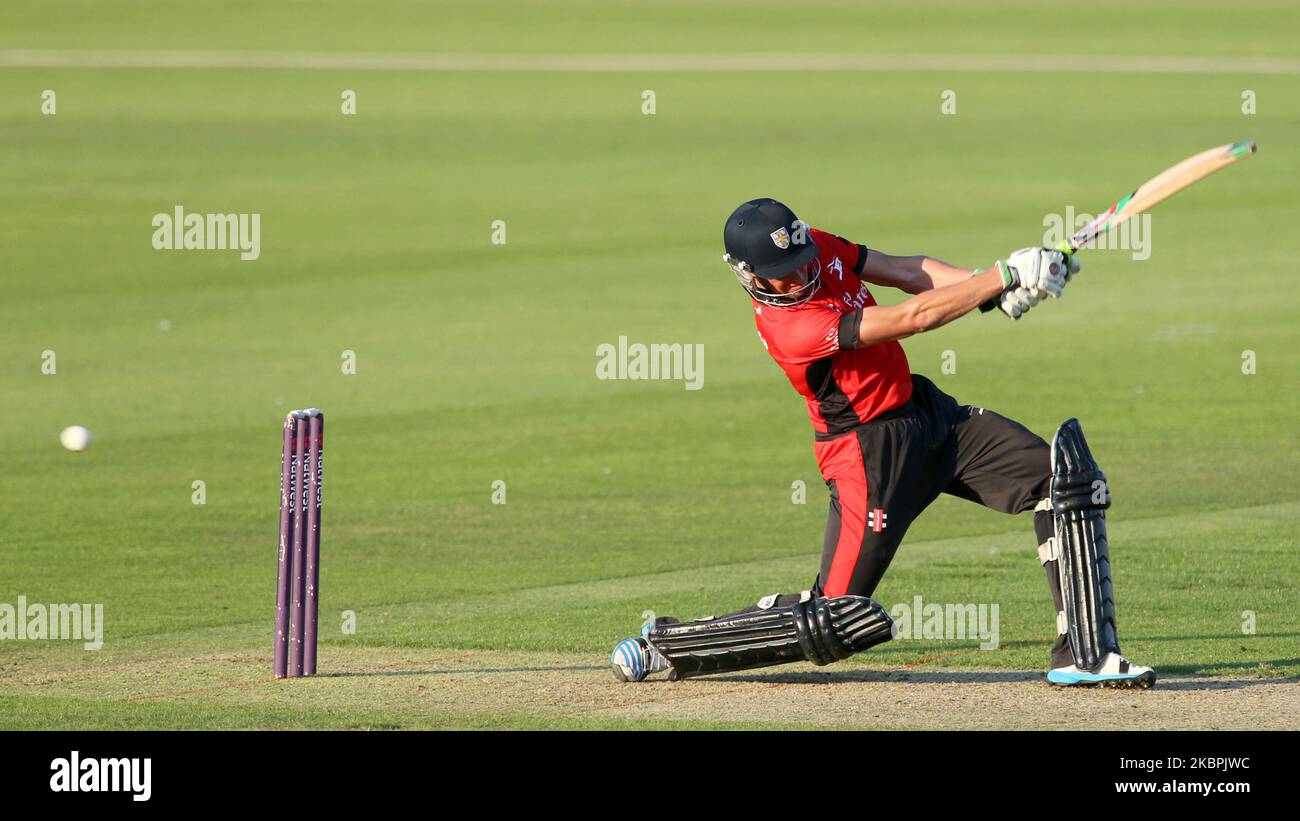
(888,442)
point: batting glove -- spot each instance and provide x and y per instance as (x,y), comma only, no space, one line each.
(1042,270)
(1016,302)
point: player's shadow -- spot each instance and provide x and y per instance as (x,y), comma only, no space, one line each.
(884,676)
(1187,677)
(1205,669)
(1193,679)
(1192,684)
(449,671)
(1212,637)
(1173,677)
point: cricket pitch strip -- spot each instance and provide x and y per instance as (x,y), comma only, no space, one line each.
(404,688)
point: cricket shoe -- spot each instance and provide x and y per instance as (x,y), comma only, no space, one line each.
(1113,671)
(634,659)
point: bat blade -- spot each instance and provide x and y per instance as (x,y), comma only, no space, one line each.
(1159,188)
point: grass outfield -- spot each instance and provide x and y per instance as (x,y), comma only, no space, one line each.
(476,362)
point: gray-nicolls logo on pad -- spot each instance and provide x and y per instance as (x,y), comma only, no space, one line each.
(128,775)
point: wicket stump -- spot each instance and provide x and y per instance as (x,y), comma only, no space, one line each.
(298,567)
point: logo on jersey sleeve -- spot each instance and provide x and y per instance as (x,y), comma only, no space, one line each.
(836,267)
(781,237)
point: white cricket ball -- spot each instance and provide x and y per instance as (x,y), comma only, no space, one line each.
(75,438)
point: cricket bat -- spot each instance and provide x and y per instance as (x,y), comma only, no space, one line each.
(1159,188)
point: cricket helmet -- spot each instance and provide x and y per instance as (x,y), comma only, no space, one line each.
(765,240)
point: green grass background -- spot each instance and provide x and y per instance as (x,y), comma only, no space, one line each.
(476,362)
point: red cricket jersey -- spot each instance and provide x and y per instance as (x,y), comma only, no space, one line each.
(816,344)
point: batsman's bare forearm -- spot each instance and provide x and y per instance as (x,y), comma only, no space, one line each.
(929,309)
(914,274)
(935,273)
